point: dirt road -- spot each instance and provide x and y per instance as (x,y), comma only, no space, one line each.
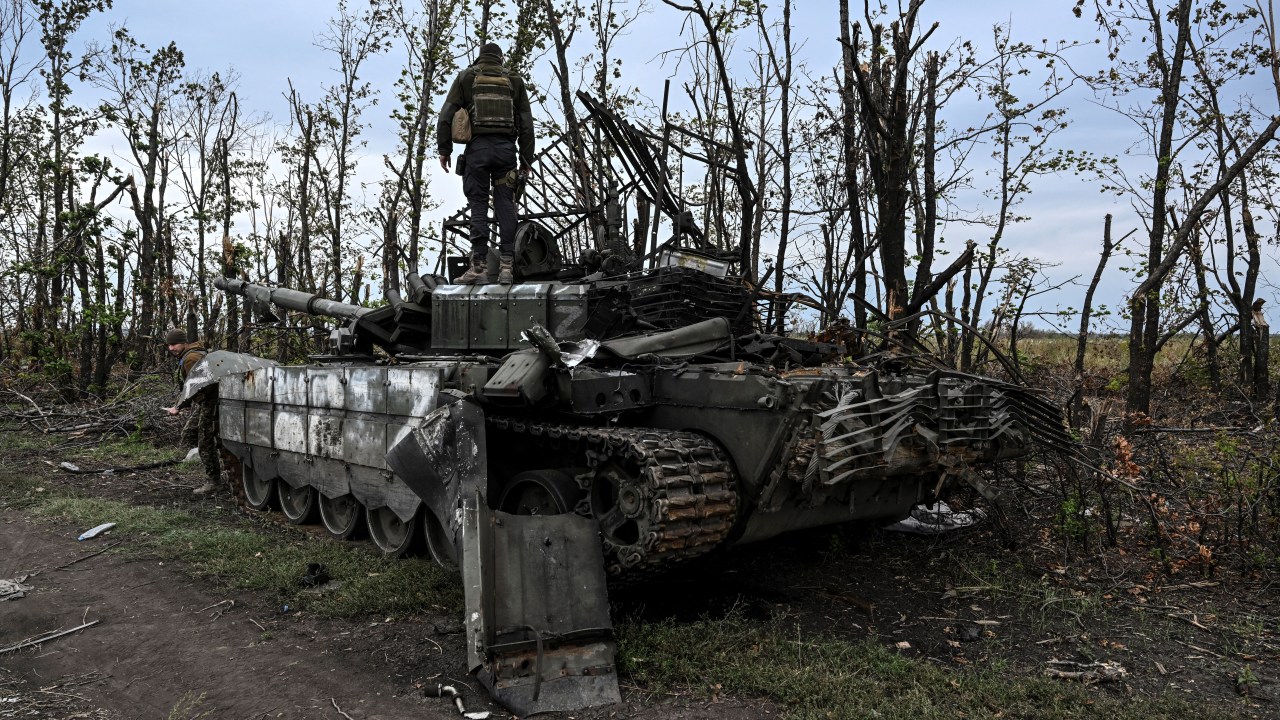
(166,642)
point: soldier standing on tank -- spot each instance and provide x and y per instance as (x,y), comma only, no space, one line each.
(205,407)
(497,103)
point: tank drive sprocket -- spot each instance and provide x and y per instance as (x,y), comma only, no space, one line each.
(660,496)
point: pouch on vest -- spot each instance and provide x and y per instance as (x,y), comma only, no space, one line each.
(461,130)
(494,108)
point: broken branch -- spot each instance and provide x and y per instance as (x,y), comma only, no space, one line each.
(46,638)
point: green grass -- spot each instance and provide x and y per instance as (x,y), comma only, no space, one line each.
(811,676)
(237,552)
(240,556)
(13,441)
(1044,602)
(132,451)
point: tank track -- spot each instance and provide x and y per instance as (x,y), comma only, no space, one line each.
(674,489)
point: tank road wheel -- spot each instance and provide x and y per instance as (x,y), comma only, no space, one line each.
(439,544)
(298,504)
(619,504)
(540,492)
(258,492)
(393,536)
(342,516)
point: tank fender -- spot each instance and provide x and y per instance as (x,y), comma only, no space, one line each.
(215,366)
(443,460)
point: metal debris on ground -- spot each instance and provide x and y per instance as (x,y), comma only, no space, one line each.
(449,691)
(14,588)
(936,519)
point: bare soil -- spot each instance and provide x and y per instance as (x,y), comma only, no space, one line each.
(167,645)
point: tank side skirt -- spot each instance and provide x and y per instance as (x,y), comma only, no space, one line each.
(305,438)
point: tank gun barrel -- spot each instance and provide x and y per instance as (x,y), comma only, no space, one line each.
(289,299)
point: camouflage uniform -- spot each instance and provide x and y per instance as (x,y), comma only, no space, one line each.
(204,408)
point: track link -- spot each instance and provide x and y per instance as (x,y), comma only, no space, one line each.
(661,496)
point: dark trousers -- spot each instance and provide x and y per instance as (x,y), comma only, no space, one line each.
(490,166)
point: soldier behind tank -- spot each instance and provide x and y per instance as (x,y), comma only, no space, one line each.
(204,408)
(497,103)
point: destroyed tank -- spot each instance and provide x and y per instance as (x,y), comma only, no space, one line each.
(607,417)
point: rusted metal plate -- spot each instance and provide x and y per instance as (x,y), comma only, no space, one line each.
(257,385)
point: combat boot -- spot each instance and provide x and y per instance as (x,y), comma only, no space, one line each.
(206,489)
(477,273)
(504,271)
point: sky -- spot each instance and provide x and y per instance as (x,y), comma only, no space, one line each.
(272,42)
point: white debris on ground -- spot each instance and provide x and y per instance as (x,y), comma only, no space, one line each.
(14,588)
(936,519)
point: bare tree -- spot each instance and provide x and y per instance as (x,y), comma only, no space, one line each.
(716,25)
(208,112)
(428,61)
(884,105)
(1163,72)
(17,24)
(781,66)
(352,38)
(141,85)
